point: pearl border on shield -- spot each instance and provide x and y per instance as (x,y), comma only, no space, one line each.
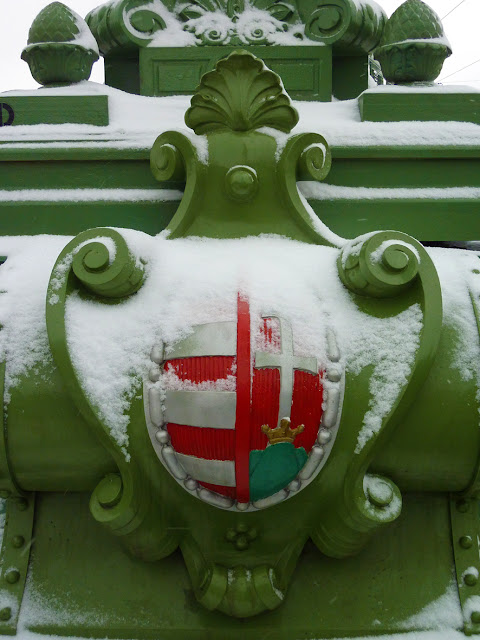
(333,399)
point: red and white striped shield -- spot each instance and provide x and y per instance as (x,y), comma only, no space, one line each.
(219,386)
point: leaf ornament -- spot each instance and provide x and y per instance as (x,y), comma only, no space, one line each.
(279,10)
(240,95)
(191,12)
(235,8)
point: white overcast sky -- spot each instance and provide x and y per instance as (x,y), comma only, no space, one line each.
(462,27)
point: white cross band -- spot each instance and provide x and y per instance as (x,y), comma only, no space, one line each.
(287,363)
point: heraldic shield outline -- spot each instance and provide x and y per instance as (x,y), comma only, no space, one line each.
(236,417)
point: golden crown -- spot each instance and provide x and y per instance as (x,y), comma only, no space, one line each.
(283,433)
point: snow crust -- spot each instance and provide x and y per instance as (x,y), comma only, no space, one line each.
(90,195)
(376,256)
(251,26)
(441,40)
(172,36)
(433,87)
(195,281)
(84,37)
(172,382)
(390,345)
(23,282)
(110,344)
(459,281)
(444,613)
(321,191)
(339,122)
(383,491)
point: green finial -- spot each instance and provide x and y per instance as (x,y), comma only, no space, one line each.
(240,95)
(413,46)
(61,48)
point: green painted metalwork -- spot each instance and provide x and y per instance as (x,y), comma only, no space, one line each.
(464,516)
(58,109)
(164,555)
(129,25)
(391,106)
(129,34)
(306,71)
(15,557)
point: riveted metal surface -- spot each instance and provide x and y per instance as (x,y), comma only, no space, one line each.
(7,482)
(465,521)
(474,486)
(14,558)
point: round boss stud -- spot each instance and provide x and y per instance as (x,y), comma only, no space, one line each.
(241,183)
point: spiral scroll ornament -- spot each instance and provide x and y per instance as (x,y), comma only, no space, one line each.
(107,274)
(125,25)
(346,23)
(381,264)
(316,160)
(147,22)
(101,261)
(166,162)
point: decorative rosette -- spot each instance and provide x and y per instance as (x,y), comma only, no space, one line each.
(258,27)
(211,29)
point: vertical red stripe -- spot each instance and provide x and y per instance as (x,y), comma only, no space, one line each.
(265,401)
(242,423)
(307,407)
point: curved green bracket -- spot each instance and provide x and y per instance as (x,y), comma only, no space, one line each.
(174,157)
(305,154)
(98,262)
(396,268)
(249,185)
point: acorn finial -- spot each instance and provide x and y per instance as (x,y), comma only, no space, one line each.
(413,46)
(61,48)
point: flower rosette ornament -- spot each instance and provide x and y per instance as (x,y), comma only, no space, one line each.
(211,29)
(258,27)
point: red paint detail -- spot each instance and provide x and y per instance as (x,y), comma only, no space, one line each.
(242,422)
(216,488)
(306,402)
(306,407)
(265,402)
(271,335)
(202,368)
(203,442)
(257,403)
